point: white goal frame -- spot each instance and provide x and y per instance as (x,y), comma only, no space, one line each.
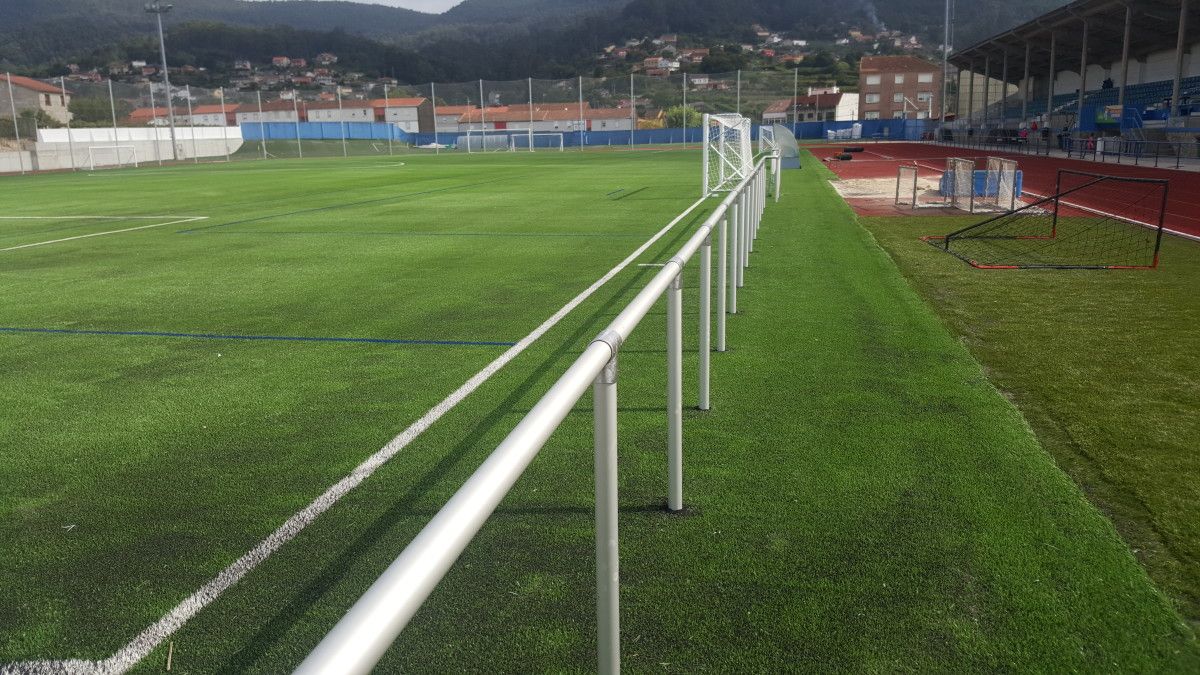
(116,150)
(1001,185)
(766,140)
(558,141)
(962,183)
(480,136)
(728,153)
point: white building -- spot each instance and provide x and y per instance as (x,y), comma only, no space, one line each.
(274,111)
(346,111)
(817,107)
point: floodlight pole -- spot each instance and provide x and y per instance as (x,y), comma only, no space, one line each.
(12,102)
(158,9)
(739,91)
(685,111)
(433,98)
(531,114)
(946,61)
(262,127)
(482,115)
(582,124)
(342,121)
(795,99)
(224,126)
(112,107)
(632,111)
(296,113)
(62,81)
(154,122)
(192,125)
(386,106)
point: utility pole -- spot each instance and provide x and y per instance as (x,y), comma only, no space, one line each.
(158,9)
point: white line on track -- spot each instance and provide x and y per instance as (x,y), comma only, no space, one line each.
(138,648)
(191,219)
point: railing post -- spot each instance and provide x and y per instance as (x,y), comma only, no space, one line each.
(735,252)
(743,218)
(675,391)
(778,176)
(705,338)
(608,583)
(722,276)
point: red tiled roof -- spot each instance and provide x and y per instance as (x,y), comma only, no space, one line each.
(215,108)
(30,83)
(334,105)
(825,101)
(454,109)
(397,102)
(144,114)
(895,64)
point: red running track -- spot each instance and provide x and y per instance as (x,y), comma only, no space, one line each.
(880,160)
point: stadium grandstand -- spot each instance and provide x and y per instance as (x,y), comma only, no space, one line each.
(1091,68)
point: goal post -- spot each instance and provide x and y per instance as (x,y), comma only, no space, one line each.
(728,154)
(906,186)
(539,140)
(1000,185)
(1092,221)
(489,140)
(99,156)
(766,140)
(958,184)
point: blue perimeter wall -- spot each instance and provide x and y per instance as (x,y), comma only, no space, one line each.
(906,130)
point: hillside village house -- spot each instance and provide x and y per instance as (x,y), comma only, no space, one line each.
(413,115)
(899,87)
(547,117)
(345,111)
(212,115)
(33,95)
(820,104)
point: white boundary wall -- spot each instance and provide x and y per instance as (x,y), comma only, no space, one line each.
(150,143)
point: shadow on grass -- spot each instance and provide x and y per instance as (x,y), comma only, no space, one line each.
(275,629)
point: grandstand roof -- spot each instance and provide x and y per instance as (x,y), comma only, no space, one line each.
(1154,28)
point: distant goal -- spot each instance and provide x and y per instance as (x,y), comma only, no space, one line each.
(101,156)
(538,140)
(728,152)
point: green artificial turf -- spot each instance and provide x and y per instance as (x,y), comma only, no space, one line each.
(1105,365)
(859,498)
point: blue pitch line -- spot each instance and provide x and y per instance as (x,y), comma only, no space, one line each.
(333,207)
(282,338)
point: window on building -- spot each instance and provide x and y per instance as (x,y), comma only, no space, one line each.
(872,98)
(925,78)
(47,98)
(898,115)
(925,96)
(897,98)
(921,115)
(871,116)
(873,79)
(899,79)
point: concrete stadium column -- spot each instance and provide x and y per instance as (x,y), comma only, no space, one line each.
(1180,44)
(971,96)
(1125,59)
(987,87)
(1053,75)
(1083,64)
(1004,91)
(1025,84)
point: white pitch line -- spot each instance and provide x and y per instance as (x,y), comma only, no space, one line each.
(101,234)
(95,217)
(149,639)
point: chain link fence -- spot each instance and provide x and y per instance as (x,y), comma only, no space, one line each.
(112,124)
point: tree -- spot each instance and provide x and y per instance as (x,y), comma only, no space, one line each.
(680,116)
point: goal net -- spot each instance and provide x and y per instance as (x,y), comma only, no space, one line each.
(1000,185)
(766,140)
(958,183)
(1092,221)
(538,140)
(99,156)
(728,156)
(488,140)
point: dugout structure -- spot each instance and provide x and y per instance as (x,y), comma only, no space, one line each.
(728,152)
(1092,221)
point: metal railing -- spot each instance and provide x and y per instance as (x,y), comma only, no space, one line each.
(1115,150)
(364,634)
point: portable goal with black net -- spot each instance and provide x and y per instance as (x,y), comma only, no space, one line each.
(1092,221)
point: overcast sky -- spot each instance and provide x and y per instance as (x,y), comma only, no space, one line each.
(436,6)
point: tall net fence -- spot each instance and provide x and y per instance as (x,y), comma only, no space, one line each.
(266,116)
(1092,221)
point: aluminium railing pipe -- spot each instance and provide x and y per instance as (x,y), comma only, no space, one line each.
(705,335)
(778,159)
(753,197)
(735,257)
(743,212)
(608,602)
(675,392)
(722,276)
(364,634)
